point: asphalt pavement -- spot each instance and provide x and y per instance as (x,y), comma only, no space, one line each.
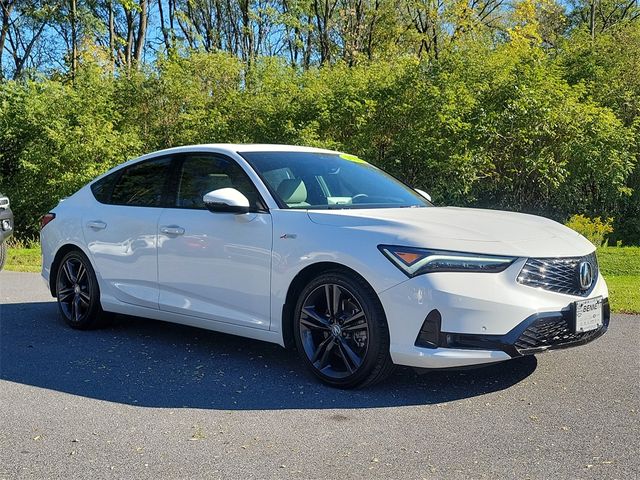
(145,399)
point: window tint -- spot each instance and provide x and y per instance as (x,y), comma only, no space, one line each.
(276,176)
(201,174)
(142,184)
(330,180)
(102,188)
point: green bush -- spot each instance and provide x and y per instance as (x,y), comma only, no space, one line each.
(491,126)
(57,138)
(593,229)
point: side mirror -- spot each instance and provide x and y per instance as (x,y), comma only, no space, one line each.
(226,200)
(423,193)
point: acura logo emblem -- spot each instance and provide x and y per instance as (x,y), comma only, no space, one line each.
(586,275)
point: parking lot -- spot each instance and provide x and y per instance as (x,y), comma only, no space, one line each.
(145,399)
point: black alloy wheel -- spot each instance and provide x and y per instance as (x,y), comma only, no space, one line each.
(341,331)
(78,293)
(334,330)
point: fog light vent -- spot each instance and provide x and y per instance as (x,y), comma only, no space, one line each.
(430,332)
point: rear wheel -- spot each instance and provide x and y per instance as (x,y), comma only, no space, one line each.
(78,293)
(341,331)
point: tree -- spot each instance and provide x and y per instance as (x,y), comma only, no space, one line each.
(23,25)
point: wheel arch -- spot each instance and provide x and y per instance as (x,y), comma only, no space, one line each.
(55,265)
(297,284)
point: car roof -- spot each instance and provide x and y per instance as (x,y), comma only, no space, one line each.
(239,148)
(228,148)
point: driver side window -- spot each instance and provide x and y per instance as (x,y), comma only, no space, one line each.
(202,173)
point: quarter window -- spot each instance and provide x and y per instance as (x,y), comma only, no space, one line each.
(142,184)
(102,188)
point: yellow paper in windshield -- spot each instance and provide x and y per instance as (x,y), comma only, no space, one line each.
(352,158)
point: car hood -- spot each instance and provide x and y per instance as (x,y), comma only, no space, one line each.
(462,229)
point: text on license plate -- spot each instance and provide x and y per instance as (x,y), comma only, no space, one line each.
(588,314)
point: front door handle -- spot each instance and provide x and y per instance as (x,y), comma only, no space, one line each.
(172,230)
(97,225)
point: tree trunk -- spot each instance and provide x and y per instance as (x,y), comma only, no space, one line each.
(592,19)
(247,31)
(142,31)
(74,39)
(112,35)
(129,46)
(6,15)
(21,62)
(165,32)
(306,57)
(322,15)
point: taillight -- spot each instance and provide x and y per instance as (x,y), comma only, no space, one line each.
(46,219)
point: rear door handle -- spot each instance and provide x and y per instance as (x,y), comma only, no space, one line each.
(172,230)
(97,225)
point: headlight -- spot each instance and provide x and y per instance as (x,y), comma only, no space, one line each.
(416,261)
(6,225)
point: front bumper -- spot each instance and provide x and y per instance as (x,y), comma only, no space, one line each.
(6,223)
(538,333)
(483,318)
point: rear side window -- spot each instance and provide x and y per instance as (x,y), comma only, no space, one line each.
(102,188)
(142,184)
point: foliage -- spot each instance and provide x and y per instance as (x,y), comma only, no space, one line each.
(621,268)
(55,139)
(531,108)
(607,68)
(624,294)
(619,261)
(593,229)
(24,259)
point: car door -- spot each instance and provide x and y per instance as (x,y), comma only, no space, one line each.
(215,266)
(121,231)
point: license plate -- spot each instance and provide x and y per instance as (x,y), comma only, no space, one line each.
(588,314)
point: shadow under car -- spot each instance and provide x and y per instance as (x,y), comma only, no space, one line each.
(155,364)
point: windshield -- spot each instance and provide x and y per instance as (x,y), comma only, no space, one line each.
(309,180)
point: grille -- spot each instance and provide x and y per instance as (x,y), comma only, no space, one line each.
(560,275)
(549,333)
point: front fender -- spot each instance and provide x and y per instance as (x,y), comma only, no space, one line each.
(299,243)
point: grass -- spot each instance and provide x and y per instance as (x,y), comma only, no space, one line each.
(621,268)
(23,256)
(619,265)
(619,261)
(624,293)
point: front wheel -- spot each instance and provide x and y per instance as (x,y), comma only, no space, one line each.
(341,331)
(78,293)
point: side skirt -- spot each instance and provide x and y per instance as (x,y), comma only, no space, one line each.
(222,327)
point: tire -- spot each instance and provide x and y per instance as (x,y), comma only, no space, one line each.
(3,254)
(346,345)
(78,293)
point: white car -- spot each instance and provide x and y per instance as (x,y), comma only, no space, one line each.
(319,250)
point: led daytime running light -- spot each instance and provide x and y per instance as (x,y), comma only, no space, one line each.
(416,261)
